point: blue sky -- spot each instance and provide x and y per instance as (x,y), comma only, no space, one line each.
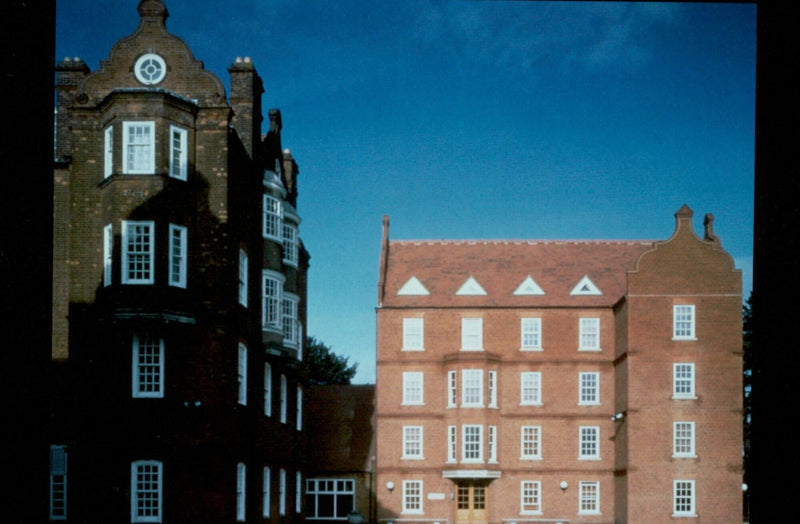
(544,120)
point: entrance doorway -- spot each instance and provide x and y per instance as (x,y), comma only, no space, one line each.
(471,503)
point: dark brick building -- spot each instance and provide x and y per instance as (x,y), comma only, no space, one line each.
(341,453)
(179,285)
(560,381)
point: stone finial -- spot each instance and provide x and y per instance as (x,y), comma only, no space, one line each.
(153,10)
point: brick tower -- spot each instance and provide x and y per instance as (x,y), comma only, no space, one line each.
(179,293)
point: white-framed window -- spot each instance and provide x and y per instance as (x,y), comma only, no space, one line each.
(150,69)
(108,151)
(412,497)
(291,324)
(492,388)
(683,383)
(58,482)
(530,388)
(471,334)
(146,491)
(147,366)
(413,388)
(243,276)
(472,388)
(283,399)
(290,245)
(589,443)
(298,492)
(413,334)
(272,300)
(139,145)
(299,409)
(268,389)
(471,443)
(330,499)
(452,443)
(412,443)
(241,375)
(531,334)
(588,388)
(178,152)
(683,439)
(530,497)
(683,496)
(589,498)
(589,334)
(531,442)
(177,255)
(683,320)
(266,491)
(273,218)
(452,389)
(108,254)
(241,478)
(282,492)
(491,443)
(138,248)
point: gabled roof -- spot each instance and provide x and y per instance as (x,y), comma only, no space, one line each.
(503,269)
(569,273)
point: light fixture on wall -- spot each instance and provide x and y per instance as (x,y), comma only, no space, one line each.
(563,485)
(390,485)
(619,416)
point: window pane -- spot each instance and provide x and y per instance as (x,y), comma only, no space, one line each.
(137,265)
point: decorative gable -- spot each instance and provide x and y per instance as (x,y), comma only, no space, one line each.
(471,287)
(585,287)
(413,287)
(529,287)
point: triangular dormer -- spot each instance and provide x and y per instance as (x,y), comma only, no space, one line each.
(529,287)
(585,287)
(413,287)
(471,287)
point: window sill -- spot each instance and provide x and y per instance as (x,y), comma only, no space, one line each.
(412,350)
(589,404)
(530,458)
(596,350)
(531,350)
(471,349)
(684,515)
(411,458)
(530,512)
(684,339)
(589,458)
(530,404)
(412,403)
(693,456)
(684,398)
(589,513)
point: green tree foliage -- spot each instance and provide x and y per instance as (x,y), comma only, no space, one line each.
(747,365)
(326,367)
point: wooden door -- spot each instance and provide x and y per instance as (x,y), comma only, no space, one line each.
(471,503)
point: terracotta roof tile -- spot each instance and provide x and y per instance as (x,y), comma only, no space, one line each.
(500,266)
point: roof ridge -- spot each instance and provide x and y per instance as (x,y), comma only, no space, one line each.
(521,241)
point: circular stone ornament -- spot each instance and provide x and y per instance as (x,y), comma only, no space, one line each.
(150,69)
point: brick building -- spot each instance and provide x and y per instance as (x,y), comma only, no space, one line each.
(560,381)
(341,453)
(179,285)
